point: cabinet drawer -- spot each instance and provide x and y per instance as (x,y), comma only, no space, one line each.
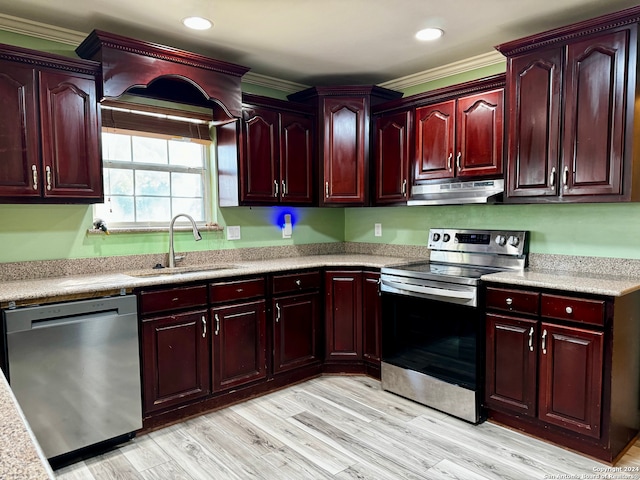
(294,282)
(238,290)
(513,300)
(173,299)
(576,309)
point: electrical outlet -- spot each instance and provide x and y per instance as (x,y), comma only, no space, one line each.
(377,230)
(233,233)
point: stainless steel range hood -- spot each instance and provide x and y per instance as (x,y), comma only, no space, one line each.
(457,193)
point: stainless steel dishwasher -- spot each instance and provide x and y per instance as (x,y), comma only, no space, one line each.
(75,370)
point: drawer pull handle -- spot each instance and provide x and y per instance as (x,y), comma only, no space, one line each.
(175,299)
(240,290)
(204,327)
(509,301)
(217,324)
(298,282)
(544,341)
(569,310)
(531,340)
(277,312)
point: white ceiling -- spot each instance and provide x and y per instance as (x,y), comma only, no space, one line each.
(320,42)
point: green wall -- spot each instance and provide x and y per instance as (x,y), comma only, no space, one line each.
(599,230)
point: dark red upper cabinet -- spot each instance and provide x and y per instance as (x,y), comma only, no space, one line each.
(50,128)
(392,152)
(344,117)
(460,137)
(570,112)
(276,156)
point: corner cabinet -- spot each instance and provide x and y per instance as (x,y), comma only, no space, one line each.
(558,366)
(50,128)
(277,152)
(570,112)
(343,126)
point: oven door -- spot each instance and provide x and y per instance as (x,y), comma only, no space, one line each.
(431,353)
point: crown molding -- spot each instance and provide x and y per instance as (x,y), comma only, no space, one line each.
(40,30)
(462,66)
(271,82)
(71,37)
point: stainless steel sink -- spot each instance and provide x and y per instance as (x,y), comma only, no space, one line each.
(158,272)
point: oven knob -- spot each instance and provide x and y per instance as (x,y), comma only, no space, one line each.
(501,240)
(446,237)
(513,241)
(436,237)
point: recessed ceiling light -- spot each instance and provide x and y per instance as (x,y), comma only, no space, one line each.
(429,34)
(197,23)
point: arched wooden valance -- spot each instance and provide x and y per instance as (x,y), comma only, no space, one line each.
(158,71)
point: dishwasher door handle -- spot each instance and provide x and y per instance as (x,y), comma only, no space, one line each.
(59,322)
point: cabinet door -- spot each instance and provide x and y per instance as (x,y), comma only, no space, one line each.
(345,150)
(20,168)
(343,319)
(296,158)
(392,150)
(594,118)
(239,345)
(570,386)
(480,133)
(371,317)
(533,123)
(295,331)
(435,141)
(259,159)
(175,360)
(511,364)
(70,136)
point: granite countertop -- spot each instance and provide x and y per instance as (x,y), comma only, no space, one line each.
(593,283)
(54,289)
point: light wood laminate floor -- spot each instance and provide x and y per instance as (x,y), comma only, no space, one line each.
(339,427)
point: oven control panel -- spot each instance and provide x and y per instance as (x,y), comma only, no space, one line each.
(507,242)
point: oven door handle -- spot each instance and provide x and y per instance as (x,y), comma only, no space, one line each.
(437,292)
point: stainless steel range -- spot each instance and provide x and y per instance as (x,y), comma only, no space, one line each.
(433,327)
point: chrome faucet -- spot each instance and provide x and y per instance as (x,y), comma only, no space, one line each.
(196,235)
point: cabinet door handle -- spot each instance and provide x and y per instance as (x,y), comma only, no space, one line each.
(531,340)
(204,327)
(284,188)
(217,324)
(275,184)
(565,177)
(544,341)
(48,170)
(379,282)
(34,172)
(552,178)
(404,187)
(458,161)
(449,161)
(326,189)
(277,312)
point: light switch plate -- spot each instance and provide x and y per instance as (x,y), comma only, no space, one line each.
(377,230)
(233,233)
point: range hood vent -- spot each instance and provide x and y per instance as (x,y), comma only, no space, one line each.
(457,193)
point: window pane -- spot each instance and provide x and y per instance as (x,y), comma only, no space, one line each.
(115,209)
(185,153)
(116,147)
(118,182)
(149,150)
(190,206)
(153,209)
(186,185)
(152,183)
